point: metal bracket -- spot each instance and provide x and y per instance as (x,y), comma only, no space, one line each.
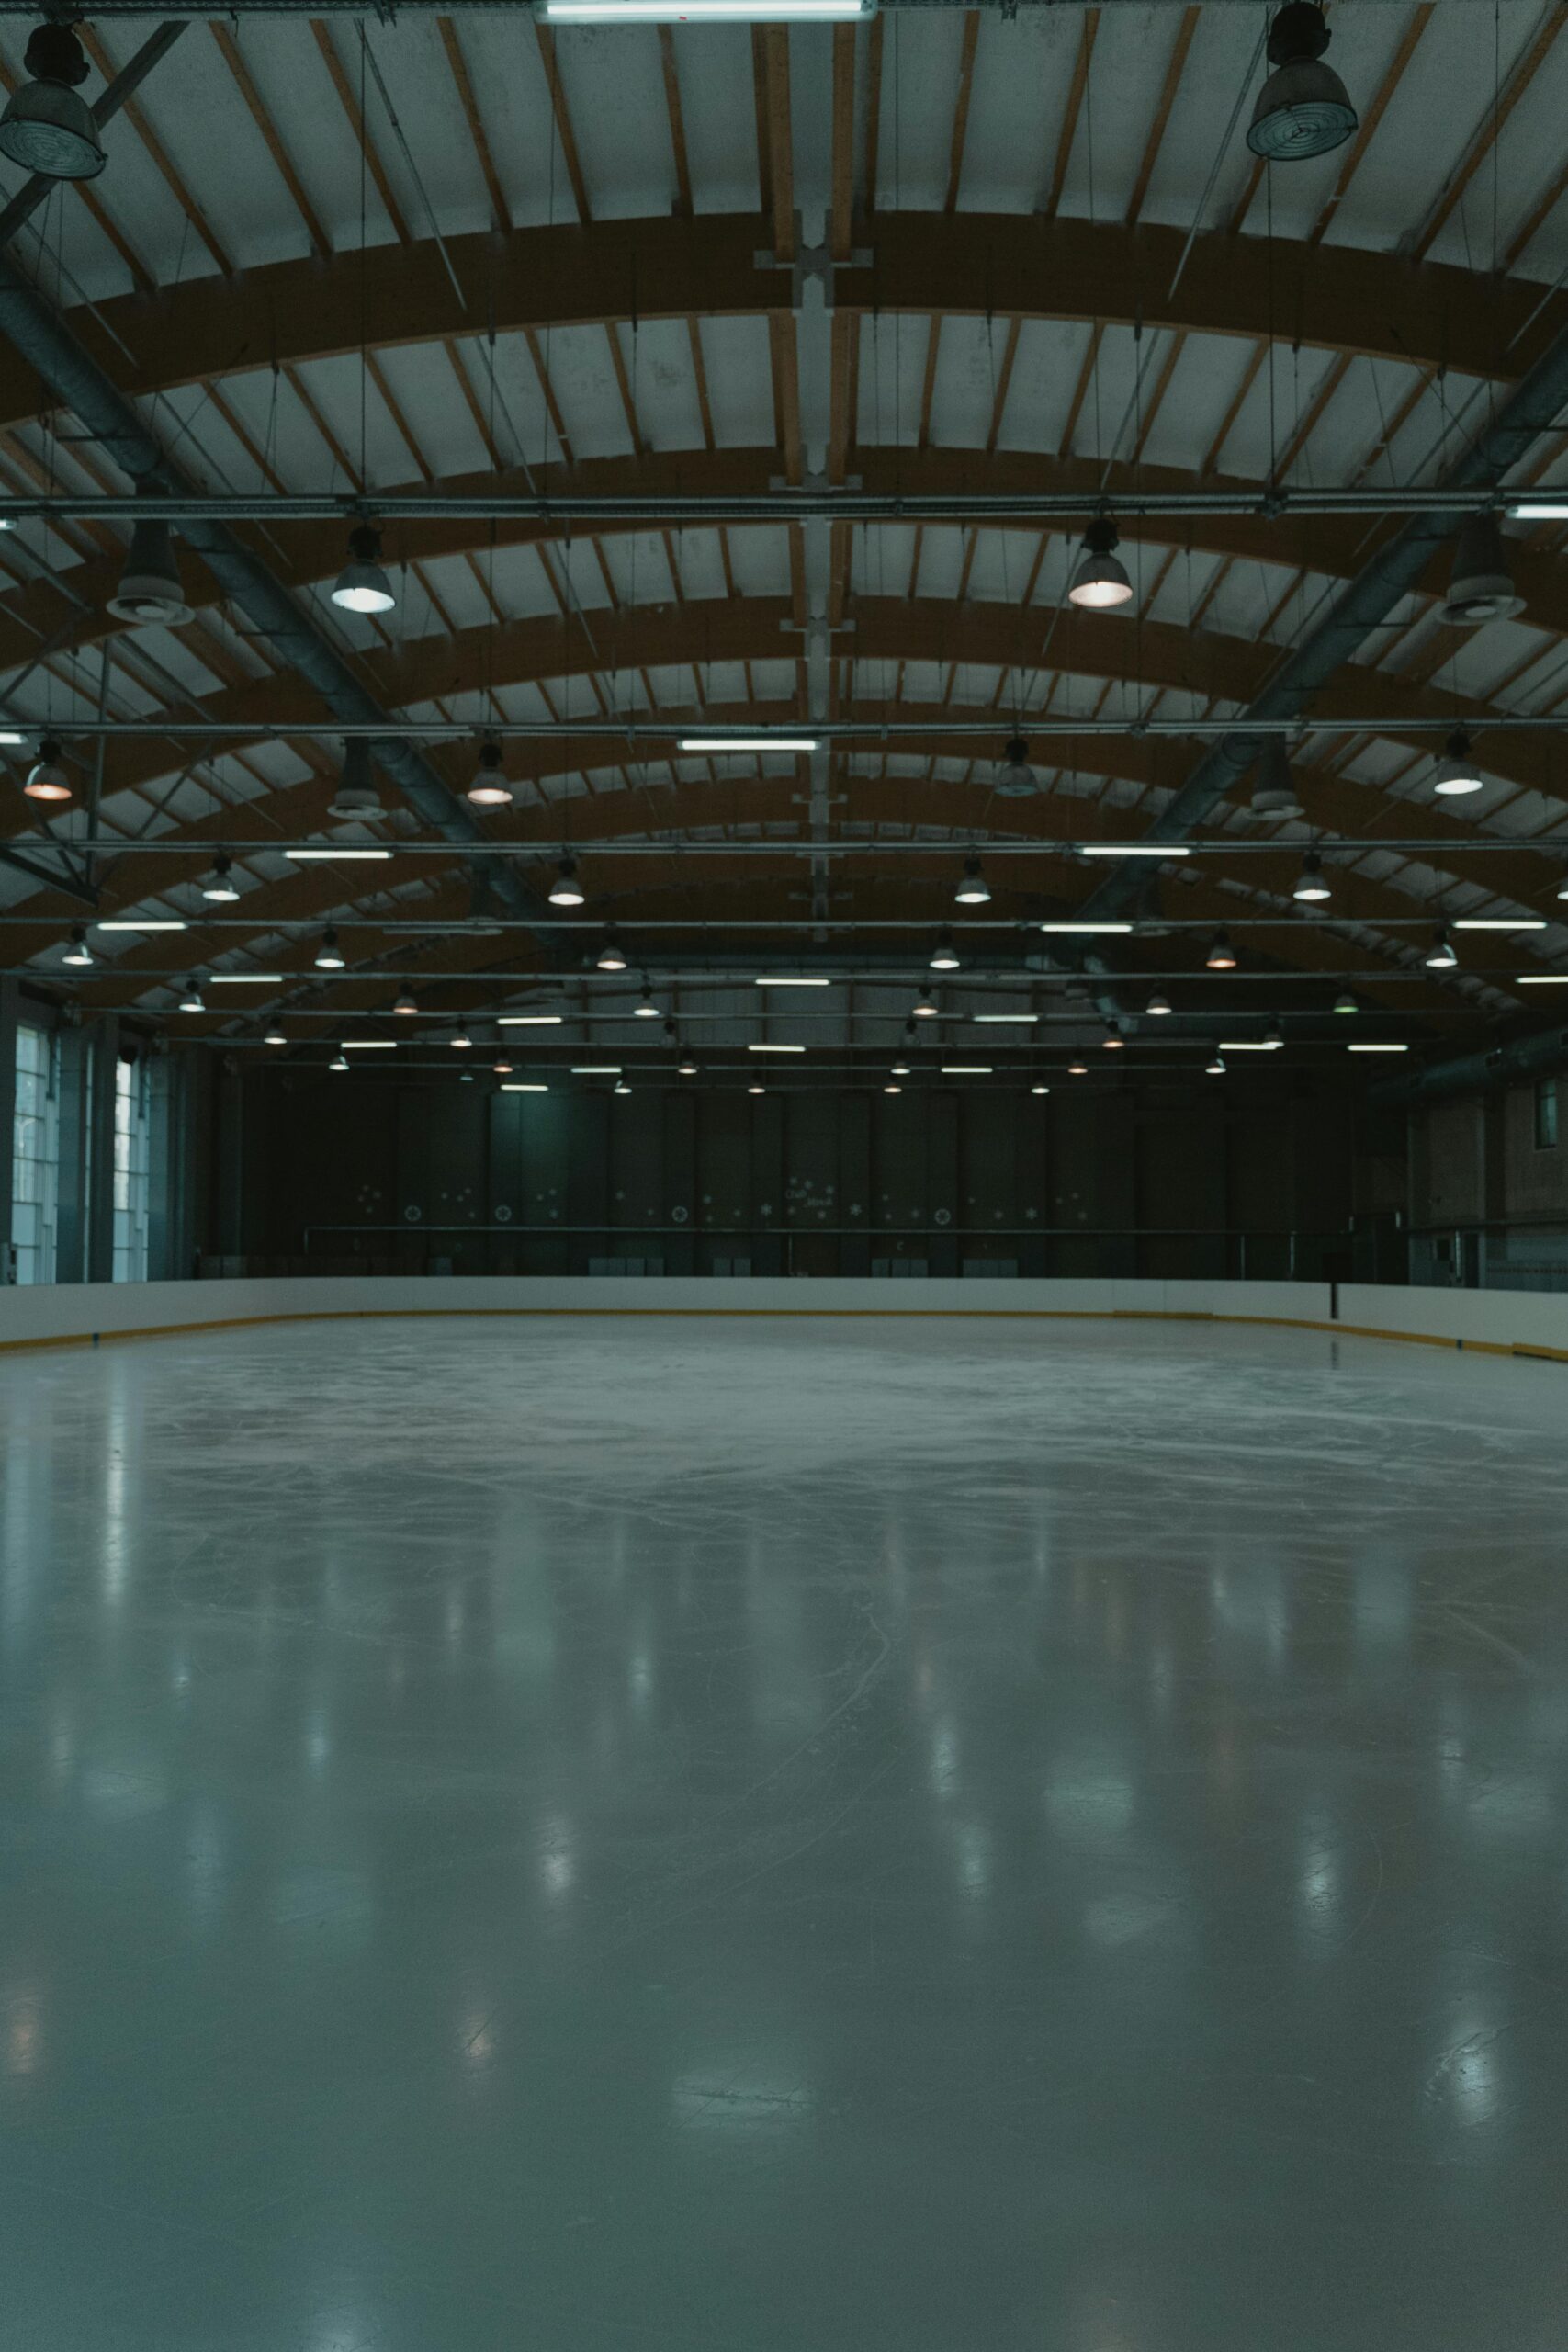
(812,266)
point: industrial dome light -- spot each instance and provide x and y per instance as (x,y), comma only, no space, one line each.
(47,780)
(362,584)
(612,956)
(355,795)
(1216,1069)
(620,1087)
(685,1066)
(339,1061)
(273,1035)
(1346,1002)
(78,952)
(1311,886)
(502,1064)
(1442,956)
(1112,1041)
(1157,1005)
(899,1070)
(191,998)
(944,955)
(1221,957)
(1100,581)
(645,1008)
(566,890)
(46,126)
(405,1003)
(1015,778)
(220,884)
(924,1007)
(1457,770)
(1077,1069)
(1481,586)
(972,890)
(1302,109)
(460,1040)
(151,589)
(329,954)
(1274,794)
(489,788)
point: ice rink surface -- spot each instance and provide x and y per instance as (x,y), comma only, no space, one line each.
(922,1836)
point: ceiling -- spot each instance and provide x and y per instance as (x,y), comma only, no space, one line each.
(939,251)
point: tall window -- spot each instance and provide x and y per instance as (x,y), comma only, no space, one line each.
(133,1162)
(35,1155)
(1545,1113)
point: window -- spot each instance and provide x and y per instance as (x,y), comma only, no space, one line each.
(131,1165)
(35,1157)
(1545,1113)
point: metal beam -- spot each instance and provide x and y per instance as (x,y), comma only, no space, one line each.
(387,728)
(1391,573)
(36,333)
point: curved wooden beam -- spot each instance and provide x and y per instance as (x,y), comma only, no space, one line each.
(306,553)
(965,263)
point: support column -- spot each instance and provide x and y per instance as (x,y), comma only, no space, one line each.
(8,1008)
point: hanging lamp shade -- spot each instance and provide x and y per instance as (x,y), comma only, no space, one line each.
(1100,581)
(1015,778)
(1480,588)
(1302,109)
(362,585)
(489,788)
(46,780)
(1274,793)
(356,795)
(1456,771)
(151,591)
(48,126)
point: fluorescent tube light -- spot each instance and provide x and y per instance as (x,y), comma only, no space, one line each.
(529,1019)
(244,979)
(1377,1049)
(143,926)
(596,1069)
(787,980)
(1497,922)
(698,12)
(997,1017)
(1247,1046)
(967,1069)
(517,1086)
(1134,849)
(370,1044)
(1086,928)
(1538,510)
(749,741)
(775,1049)
(308,856)
(1542,980)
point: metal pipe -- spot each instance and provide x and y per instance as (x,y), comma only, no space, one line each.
(387,730)
(592,511)
(1001,844)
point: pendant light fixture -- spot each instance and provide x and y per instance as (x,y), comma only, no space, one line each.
(329,954)
(1302,109)
(1311,887)
(489,788)
(273,1035)
(46,126)
(756,1090)
(1015,778)
(620,1087)
(566,890)
(1442,956)
(357,796)
(944,955)
(1216,1069)
(405,1006)
(1273,1037)
(892,1087)
(191,998)
(1040,1090)
(1100,582)
(1112,1041)
(612,956)
(645,1008)
(1346,1002)
(900,1068)
(1481,586)
(1456,771)
(924,1007)
(1274,793)
(460,1040)
(339,1061)
(46,780)
(220,884)
(78,952)
(1077,1069)
(1157,1006)
(1221,957)
(362,584)
(151,593)
(685,1066)
(502,1064)
(973,888)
